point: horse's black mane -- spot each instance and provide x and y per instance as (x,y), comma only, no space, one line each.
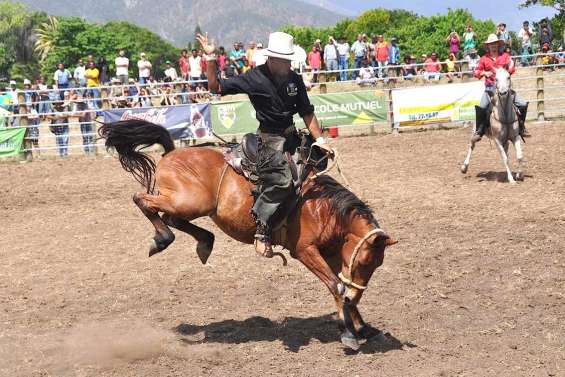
(342,201)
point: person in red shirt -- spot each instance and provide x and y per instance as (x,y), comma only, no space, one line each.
(486,68)
(183,65)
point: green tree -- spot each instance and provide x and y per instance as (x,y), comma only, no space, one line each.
(16,35)
(556,4)
(45,37)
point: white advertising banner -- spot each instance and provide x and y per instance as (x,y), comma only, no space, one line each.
(437,103)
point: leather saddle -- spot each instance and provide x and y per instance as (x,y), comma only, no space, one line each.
(302,159)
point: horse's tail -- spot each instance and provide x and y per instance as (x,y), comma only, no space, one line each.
(129,138)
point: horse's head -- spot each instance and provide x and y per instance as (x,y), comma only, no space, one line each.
(363,254)
(502,81)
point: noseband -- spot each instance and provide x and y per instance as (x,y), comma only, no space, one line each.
(349,280)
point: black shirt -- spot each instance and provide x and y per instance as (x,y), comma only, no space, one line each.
(274,105)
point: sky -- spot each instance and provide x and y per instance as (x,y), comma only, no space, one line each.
(498,10)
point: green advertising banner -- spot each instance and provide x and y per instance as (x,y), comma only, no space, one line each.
(334,109)
(11,141)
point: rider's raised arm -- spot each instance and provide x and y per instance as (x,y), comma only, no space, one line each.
(233,85)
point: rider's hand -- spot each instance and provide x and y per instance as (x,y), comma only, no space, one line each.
(487,74)
(207,46)
(327,149)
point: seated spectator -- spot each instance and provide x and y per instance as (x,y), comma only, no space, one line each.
(229,71)
(432,68)
(258,57)
(560,56)
(167,96)
(408,69)
(237,57)
(472,60)
(549,59)
(170,71)
(143,100)
(451,68)
(366,74)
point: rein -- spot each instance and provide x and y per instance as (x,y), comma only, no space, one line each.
(349,280)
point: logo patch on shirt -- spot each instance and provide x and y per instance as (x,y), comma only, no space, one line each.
(291,89)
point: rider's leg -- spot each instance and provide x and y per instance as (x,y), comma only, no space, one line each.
(482,117)
(274,186)
(523,109)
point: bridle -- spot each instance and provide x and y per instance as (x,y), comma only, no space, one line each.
(348,281)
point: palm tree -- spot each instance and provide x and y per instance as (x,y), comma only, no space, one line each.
(46,37)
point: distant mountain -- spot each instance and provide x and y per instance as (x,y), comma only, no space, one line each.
(175,20)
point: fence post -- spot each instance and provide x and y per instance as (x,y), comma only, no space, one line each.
(540,91)
(394,130)
(23,122)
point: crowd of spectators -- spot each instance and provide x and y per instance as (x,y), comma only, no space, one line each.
(371,59)
(77,92)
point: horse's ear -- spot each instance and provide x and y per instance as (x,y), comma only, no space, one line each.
(390,241)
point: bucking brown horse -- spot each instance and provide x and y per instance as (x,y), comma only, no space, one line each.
(332,232)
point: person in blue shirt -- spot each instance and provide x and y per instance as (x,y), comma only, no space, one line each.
(62,79)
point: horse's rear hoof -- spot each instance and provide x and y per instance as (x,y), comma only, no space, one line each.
(350,342)
(520,177)
(464,168)
(203,250)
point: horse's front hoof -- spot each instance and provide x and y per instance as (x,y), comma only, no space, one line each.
(350,342)
(153,248)
(520,177)
(464,168)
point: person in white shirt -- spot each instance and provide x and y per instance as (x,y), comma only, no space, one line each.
(472,60)
(366,74)
(525,34)
(258,57)
(343,58)
(122,67)
(359,50)
(171,72)
(195,65)
(144,66)
(80,74)
(330,57)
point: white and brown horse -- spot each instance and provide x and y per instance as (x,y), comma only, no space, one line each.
(504,126)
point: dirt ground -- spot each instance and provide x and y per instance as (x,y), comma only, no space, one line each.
(475,287)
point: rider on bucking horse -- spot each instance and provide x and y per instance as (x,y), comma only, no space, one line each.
(277,93)
(489,62)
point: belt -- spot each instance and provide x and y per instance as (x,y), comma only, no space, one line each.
(286,132)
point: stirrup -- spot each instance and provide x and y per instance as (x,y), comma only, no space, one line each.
(263,246)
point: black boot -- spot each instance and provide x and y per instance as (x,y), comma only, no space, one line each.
(263,243)
(481,118)
(522,120)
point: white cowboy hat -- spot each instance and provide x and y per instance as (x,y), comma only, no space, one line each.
(27,82)
(492,38)
(281,45)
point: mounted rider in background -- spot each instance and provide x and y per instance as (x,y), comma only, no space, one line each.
(486,68)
